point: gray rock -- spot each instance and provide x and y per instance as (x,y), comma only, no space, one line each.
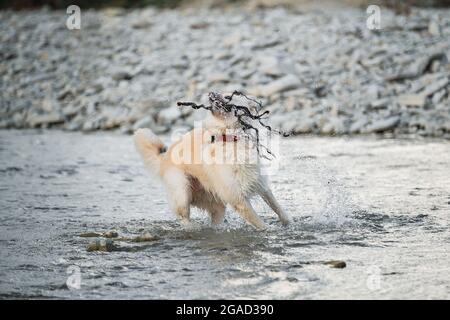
(102,245)
(90,235)
(122,74)
(145,237)
(288,82)
(110,234)
(436,86)
(276,65)
(438,96)
(339,264)
(44,119)
(168,115)
(383,124)
(434,29)
(143,23)
(412,100)
(145,122)
(218,77)
(358,125)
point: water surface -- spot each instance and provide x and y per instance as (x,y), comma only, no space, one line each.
(380,205)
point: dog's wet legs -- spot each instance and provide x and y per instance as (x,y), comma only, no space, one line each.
(269,198)
(183,213)
(217,213)
(246,211)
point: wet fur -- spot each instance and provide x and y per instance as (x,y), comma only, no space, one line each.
(209,187)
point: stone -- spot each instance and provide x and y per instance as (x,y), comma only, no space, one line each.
(275,66)
(434,29)
(288,82)
(232,40)
(436,86)
(218,77)
(45,119)
(358,125)
(111,234)
(145,237)
(168,115)
(305,125)
(145,122)
(90,235)
(380,103)
(121,74)
(141,24)
(339,264)
(412,100)
(438,96)
(382,124)
(101,245)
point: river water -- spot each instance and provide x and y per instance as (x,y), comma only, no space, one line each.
(380,205)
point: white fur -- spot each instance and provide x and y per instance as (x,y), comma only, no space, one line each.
(207,186)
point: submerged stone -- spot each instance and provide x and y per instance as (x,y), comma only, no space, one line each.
(90,235)
(339,264)
(101,245)
(111,234)
(145,237)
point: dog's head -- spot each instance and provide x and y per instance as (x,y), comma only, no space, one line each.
(222,113)
(224,110)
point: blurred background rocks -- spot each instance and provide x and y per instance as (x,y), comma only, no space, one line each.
(316,67)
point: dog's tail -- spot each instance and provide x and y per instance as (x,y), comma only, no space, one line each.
(150,147)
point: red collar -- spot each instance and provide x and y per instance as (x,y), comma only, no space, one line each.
(224,138)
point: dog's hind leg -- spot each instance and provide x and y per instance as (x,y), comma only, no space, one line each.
(206,201)
(217,213)
(269,198)
(246,211)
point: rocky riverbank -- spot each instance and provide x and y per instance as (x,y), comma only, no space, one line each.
(321,72)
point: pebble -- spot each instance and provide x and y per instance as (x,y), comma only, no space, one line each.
(101,245)
(283,84)
(412,100)
(145,237)
(169,115)
(383,124)
(145,122)
(111,234)
(339,264)
(90,235)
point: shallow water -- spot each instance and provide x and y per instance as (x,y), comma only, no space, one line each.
(380,205)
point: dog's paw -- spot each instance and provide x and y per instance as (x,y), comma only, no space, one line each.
(286,221)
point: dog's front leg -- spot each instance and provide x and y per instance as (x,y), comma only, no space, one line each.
(217,213)
(246,211)
(183,213)
(269,198)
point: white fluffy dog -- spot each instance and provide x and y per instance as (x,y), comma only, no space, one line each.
(209,168)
